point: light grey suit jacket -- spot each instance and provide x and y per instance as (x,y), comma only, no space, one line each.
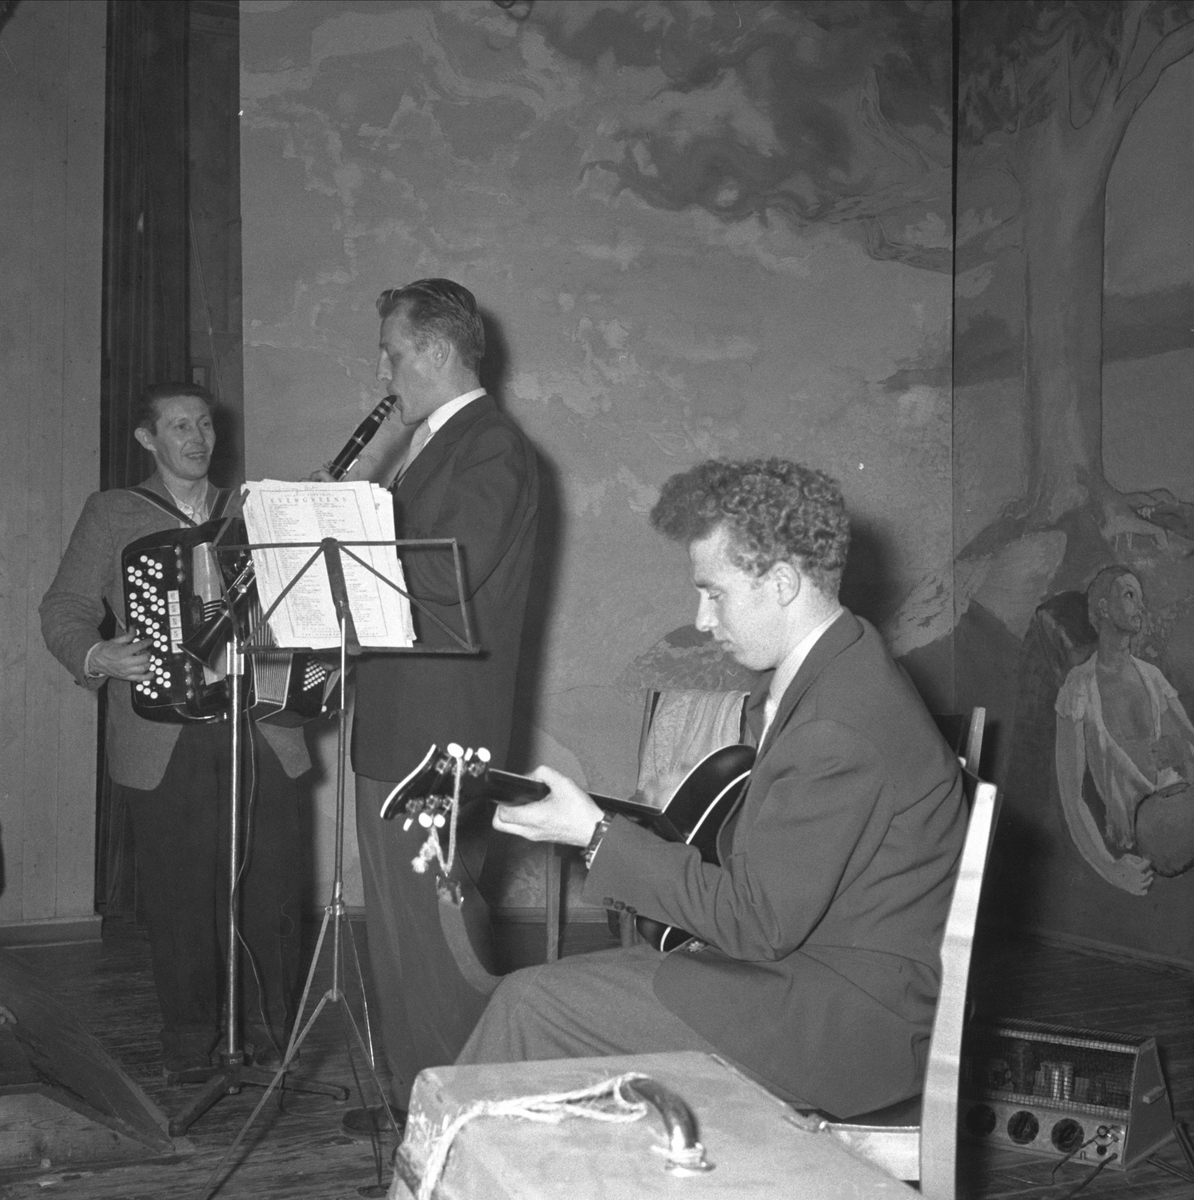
(71,612)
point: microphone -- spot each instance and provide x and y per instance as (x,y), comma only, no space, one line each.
(212,634)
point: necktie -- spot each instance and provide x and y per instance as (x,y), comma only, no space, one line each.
(417,442)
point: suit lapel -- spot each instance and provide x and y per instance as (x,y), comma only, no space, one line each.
(437,449)
(845,631)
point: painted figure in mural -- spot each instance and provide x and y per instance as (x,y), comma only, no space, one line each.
(816,961)
(471,474)
(1118,717)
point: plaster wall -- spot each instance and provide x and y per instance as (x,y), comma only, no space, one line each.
(51,197)
(646,211)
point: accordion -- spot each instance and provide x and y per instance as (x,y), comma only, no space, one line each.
(173,584)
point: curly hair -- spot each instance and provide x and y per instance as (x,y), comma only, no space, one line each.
(148,410)
(438,308)
(774,510)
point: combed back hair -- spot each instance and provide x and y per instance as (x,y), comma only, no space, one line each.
(438,308)
(149,405)
(1099,589)
(774,511)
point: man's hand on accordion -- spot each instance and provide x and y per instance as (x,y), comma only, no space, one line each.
(123,657)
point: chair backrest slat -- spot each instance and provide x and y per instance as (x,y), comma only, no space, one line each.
(972,759)
(939,1113)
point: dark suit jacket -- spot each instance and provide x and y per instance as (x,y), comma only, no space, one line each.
(71,611)
(825,919)
(476,480)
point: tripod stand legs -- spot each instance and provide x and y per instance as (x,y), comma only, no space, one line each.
(229,1080)
(233,1078)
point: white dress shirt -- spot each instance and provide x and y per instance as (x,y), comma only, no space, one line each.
(785,672)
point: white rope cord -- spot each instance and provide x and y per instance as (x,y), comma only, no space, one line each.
(431,849)
(550,1108)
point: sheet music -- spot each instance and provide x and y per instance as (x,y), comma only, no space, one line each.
(278,511)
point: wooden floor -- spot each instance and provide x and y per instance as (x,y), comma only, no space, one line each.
(298,1150)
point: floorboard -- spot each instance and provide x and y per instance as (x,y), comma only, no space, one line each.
(297,1150)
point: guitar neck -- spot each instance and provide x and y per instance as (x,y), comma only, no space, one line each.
(505,787)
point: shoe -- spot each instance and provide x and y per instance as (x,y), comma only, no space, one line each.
(364,1124)
(265,1048)
(270,1057)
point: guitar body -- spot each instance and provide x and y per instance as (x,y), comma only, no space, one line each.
(698,810)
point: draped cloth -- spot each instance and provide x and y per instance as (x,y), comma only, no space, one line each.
(687,726)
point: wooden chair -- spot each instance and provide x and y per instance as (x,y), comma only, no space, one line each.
(965,735)
(911,1144)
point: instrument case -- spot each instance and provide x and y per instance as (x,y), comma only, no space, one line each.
(757,1145)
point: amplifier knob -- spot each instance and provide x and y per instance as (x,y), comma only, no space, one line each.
(980,1120)
(1067,1135)
(1022,1127)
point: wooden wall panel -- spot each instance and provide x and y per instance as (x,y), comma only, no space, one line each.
(51,200)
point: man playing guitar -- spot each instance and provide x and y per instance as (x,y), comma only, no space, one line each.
(814,963)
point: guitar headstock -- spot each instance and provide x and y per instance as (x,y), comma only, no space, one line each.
(426,793)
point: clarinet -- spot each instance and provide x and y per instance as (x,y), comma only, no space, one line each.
(217,629)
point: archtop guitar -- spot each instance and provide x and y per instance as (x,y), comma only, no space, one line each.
(694,815)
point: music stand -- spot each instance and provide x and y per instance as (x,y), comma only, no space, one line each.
(234,1071)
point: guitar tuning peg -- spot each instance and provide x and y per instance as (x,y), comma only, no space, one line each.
(407,824)
(483,755)
(425,819)
(455,750)
(438,820)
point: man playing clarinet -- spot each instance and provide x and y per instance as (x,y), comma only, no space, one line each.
(470,474)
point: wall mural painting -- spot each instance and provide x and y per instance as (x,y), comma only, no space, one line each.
(1125,748)
(1075,580)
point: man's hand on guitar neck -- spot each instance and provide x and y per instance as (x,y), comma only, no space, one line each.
(568,815)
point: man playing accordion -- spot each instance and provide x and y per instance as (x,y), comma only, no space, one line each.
(173,777)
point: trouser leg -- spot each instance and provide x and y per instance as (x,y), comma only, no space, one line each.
(182,834)
(425,1008)
(271,898)
(587,1006)
(176,831)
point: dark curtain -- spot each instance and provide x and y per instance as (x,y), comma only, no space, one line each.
(145,316)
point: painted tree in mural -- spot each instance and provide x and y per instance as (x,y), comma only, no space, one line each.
(1048,93)
(837,113)
(822,114)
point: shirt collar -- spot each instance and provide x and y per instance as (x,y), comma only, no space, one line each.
(786,671)
(198,513)
(438,419)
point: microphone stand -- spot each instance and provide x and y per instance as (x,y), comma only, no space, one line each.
(235,1071)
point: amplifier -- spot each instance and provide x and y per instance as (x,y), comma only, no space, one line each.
(1064,1093)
